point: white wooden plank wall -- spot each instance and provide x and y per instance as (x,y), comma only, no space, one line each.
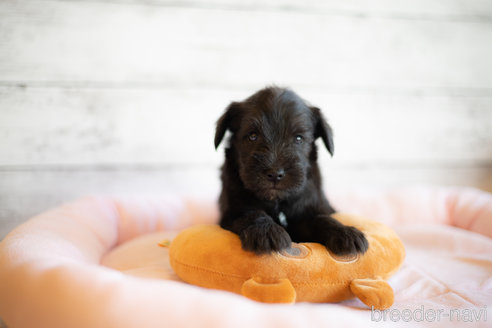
(121,96)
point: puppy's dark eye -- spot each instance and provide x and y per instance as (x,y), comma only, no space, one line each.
(253,136)
(299,139)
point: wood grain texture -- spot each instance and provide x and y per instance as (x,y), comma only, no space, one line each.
(396,9)
(121,96)
(115,42)
(53,126)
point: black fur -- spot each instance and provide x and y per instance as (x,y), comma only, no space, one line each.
(271,168)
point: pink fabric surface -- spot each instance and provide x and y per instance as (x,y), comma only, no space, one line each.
(52,272)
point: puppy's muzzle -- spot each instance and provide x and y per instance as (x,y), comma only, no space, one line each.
(275,175)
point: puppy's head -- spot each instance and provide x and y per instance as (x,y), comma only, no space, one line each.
(273,134)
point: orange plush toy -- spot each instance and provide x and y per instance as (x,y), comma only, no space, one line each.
(211,257)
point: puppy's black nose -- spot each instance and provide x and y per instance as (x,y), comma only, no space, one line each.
(276,175)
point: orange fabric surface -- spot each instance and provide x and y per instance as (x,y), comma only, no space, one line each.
(211,257)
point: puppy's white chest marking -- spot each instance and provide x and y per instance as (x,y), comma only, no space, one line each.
(283,219)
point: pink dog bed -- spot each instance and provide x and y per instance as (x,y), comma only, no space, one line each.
(95,263)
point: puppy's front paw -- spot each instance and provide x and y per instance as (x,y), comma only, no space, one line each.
(345,240)
(264,236)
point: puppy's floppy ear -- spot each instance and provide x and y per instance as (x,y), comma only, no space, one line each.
(323,129)
(227,122)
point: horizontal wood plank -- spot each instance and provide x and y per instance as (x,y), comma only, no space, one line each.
(62,41)
(397,9)
(26,193)
(48,126)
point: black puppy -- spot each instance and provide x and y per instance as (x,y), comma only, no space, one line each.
(271,177)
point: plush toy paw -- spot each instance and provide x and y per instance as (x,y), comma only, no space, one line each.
(264,236)
(280,291)
(375,293)
(346,240)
